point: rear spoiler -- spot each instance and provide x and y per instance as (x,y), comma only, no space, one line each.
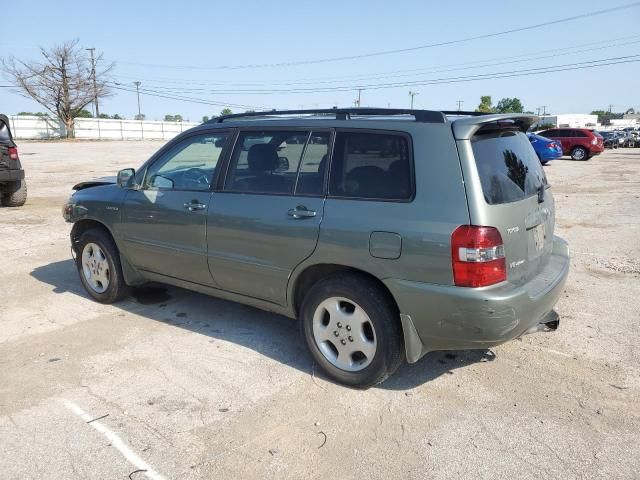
(465,128)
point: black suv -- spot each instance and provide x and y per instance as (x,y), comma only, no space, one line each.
(13,188)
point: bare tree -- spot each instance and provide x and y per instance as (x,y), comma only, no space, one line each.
(62,82)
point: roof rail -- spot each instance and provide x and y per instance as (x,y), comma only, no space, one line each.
(427,116)
(462,113)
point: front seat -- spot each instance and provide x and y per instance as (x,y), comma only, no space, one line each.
(263,160)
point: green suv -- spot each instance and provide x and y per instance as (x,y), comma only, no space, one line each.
(387,233)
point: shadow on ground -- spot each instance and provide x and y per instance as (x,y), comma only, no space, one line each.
(272,335)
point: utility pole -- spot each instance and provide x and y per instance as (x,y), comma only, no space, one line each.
(137,84)
(460,102)
(412,94)
(538,111)
(610,108)
(358,102)
(93,75)
(544,109)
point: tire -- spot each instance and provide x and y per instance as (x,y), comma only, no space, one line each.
(579,153)
(15,195)
(98,264)
(378,331)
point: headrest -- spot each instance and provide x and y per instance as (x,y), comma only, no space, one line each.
(263,157)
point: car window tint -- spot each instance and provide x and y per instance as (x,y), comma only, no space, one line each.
(371,165)
(314,165)
(266,162)
(508,167)
(4,133)
(579,134)
(190,165)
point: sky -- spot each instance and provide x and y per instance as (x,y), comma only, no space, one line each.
(186,49)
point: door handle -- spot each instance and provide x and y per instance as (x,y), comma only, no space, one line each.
(193,206)
(301,212)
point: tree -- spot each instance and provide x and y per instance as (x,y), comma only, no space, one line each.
(32,114)
(140,116)
(226,111)
(509,105)
(205,118)
(117,117)
(630,111)
(84,114)
(173,118)
(62,81)
(485,104)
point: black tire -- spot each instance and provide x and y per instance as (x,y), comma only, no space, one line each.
(15,194)
(579,153)
(383,315)
(117,289)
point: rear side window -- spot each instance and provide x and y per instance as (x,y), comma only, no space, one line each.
(373,166)
(4,133)
(508,166)
(579,134)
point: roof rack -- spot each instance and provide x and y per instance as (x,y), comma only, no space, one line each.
(465,113)
(427,116)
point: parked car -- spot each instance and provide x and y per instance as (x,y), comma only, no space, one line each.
(610,139)
(626,139)
(13,187)
(579,143)
(444,241)
(545,148)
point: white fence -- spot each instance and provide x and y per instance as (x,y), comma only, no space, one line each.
(32,128)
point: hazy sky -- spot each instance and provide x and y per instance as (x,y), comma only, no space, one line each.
(154,42)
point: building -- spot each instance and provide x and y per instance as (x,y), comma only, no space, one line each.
(576,120)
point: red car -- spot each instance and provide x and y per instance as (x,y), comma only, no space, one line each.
(579,143)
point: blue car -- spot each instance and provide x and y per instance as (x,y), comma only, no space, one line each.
(545,148)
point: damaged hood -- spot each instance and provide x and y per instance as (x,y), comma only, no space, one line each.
(96,182)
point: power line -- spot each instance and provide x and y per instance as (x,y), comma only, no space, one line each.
(153,93)
(399,50)
(529,56)
(377,86)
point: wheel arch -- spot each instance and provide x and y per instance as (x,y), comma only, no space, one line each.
(131,274)
(312,274)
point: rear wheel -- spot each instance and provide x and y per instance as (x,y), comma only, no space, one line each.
(579,153)
(98,264)
(351,327)
(15,194)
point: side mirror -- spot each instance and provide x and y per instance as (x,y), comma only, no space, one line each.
(283,164)
(125,176)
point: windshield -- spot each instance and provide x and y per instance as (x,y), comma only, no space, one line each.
(508,166)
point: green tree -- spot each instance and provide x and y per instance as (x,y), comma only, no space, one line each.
(509,105)
(32,114)
(117,117)
(104,115)
(169,118)
(140,116)
(485,104)
(205,118)
(226,111)
(84,113)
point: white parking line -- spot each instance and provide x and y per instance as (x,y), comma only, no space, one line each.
(116,441)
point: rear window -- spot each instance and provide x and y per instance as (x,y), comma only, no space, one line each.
(508,166)
(4,133)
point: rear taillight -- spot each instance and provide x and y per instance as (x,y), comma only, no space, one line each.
(478,256)
(551,145)
(13,153)
(595,140)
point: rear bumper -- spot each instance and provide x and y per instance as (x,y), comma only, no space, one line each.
(11,175)
(444,317)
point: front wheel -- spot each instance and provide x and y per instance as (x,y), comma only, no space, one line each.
(579,153)
(98,264)
(352,329)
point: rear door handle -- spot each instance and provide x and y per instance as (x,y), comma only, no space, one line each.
(193,206)
(301,212)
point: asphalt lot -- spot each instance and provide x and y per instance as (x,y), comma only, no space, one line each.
(187,386)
